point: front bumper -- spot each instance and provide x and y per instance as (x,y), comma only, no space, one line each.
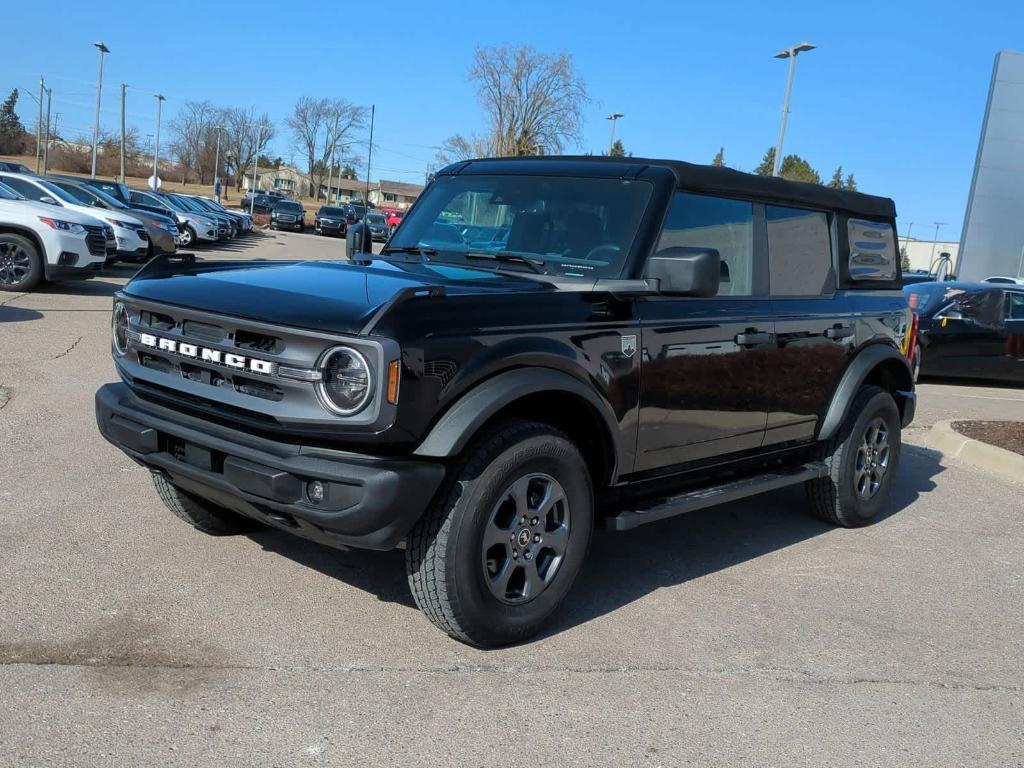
(163,240)
(370,502)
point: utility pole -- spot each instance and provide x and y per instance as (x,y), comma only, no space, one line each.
(99,91)
(39,125)
(369,157)
(791,54)
(255,166)
(156,145)
(614,116)
(46,136)
(124,89)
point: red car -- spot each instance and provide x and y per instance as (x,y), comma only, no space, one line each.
(394,218)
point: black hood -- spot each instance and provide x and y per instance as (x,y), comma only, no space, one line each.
(332,296)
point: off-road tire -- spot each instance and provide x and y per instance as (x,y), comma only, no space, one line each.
(833,498)
(200,514)
(445,549)
(26,248)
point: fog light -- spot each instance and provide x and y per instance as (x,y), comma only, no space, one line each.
(316,491)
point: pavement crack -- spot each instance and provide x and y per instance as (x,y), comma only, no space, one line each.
(68,350)
(12,299)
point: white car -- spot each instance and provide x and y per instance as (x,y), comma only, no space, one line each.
(1004,280)
(39,242)
(129,231)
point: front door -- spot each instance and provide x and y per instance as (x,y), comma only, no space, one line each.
(969,337)
(1014,345)
(703,360)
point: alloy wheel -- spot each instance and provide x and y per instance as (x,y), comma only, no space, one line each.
(872,461)
(526,537)
(15,264)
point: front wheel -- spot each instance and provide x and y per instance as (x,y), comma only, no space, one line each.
(506,536)
(188,237)
(21,265)
(862,460)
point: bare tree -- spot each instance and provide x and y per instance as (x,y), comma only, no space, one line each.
(245,137)
(191,131)
(321,127)
(459,147)
(534,102)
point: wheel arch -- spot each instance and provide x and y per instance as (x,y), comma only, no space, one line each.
(879,364)
(539,394)
(14,229)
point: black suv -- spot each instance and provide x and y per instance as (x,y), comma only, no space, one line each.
(615,342)
(288,214)
(331,220)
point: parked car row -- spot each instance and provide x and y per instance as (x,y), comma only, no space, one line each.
(97,222)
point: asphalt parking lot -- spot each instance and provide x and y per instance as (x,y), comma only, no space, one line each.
(748,635)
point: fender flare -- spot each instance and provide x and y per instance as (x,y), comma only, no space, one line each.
(458,425)
(853,378)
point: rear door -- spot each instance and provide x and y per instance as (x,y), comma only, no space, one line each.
(815,336)
(1014,347)
(702,368)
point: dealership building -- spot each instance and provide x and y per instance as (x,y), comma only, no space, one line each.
(992,242)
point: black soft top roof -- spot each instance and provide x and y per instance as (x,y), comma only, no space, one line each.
(692,177)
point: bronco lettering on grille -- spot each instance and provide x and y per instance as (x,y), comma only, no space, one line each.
(215,356)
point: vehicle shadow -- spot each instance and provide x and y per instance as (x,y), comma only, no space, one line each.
(956,381)
(18,315)
(624,567)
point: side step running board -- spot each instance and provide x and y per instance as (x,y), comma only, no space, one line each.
(716,494)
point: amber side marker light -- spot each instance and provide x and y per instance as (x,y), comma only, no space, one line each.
(394,377)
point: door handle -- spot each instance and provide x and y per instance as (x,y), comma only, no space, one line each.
(839,332)
(750,338)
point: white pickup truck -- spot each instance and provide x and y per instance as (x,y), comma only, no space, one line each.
(41,242)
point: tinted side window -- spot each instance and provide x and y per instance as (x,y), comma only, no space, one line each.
(872,250)
(700,221)
(1015,305)
(799,252)
(31,191)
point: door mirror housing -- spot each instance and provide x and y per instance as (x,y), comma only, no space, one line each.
(48,200)
(685,271)
(358,240)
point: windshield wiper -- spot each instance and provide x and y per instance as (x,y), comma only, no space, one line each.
(537,265)
(417,250)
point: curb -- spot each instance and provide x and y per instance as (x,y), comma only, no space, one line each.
(1005,464)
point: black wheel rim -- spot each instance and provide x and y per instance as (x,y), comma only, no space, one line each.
(15,264)
(872,462)
(526,538)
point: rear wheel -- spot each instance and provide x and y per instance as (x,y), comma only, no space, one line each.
(199,513)
(21,265)
(862,460)
(188,237)
(506,536)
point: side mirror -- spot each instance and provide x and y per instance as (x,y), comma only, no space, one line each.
(685,271)
(358,240)
(48,200)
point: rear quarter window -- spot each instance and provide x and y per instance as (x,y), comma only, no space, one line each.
(872,251)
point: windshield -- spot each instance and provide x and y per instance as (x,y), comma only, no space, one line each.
(289,205)
(187,204)
(576,227)
(375,218)
(325,211)
(6,193)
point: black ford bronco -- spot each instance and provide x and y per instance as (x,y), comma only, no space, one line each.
(544,346)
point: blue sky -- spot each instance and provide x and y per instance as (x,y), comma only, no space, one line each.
(895,91)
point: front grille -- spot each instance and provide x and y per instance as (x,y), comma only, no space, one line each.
(259,342)
(143,235)
(96,239)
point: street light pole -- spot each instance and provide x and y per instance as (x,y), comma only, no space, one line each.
(46,135)
(156,144)
(216,164)
(255,167)
(614,116)
(369,158)
(39,125)
(791,54)
(124,90)
(99,91)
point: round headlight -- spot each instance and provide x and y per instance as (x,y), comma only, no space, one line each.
(119,329)
(347,385)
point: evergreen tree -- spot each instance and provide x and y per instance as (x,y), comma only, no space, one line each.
(851,183)
(767,163)
(12,134)
(904,259)
(795,168)
(837,179)
(719,161)
(617,150)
